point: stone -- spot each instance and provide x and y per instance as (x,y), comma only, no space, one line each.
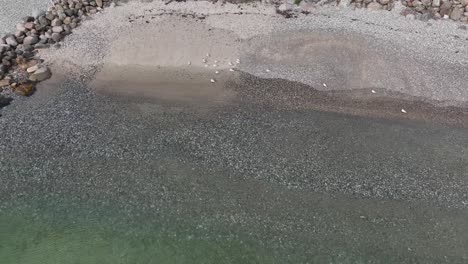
(344,3)
(70,12)
(20,27)
(456,13)
(67,21)
(385,2)
(37,13)
(67,29)
(463,27)
(374,6)
(418,6)
(426,16)
(465,14)
(28,48)
(29,25)
(50,16)
(28,54)
(426,3)
(62,15)
(20,39)
(3,48)
(10,53)
(11,41)
(464,2)
(6,62)
(40,27)
(33,68)
(99,3)
(57,29)
(445,8)
(41,46)
(28,19)
(25,89)
(73,25)
(4,82)
(31,40)
(19,34)
(19,51)
(56,22)
(43,73)
(56,37)
(435,2)
(283,7)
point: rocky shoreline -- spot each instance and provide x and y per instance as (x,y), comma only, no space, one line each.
(21,68)
(456,10)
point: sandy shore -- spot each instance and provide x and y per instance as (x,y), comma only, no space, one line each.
(337,54)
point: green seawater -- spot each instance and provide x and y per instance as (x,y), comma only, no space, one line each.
(38,237)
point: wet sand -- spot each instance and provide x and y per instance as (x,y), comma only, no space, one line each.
(190,85)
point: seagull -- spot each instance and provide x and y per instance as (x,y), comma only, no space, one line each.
(212,80)
(189,62)
(238,61)
(214,65)
(231,69)
(204,60)
(373,91)
(207,54)
(230,63)
(215,61)
(216,72)
(206,65)
(267,70)
(403,111)
(324,85)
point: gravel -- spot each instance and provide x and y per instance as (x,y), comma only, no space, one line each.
(11,12)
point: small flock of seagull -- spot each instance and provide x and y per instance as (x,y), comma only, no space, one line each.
(205,61)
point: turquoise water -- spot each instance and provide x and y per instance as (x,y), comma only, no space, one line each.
(331,230)
(35,237)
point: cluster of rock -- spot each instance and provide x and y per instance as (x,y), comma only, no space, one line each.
(18,50)
(422,9)
(454,9)
(373,4)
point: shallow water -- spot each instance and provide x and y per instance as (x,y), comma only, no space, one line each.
(249,181)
